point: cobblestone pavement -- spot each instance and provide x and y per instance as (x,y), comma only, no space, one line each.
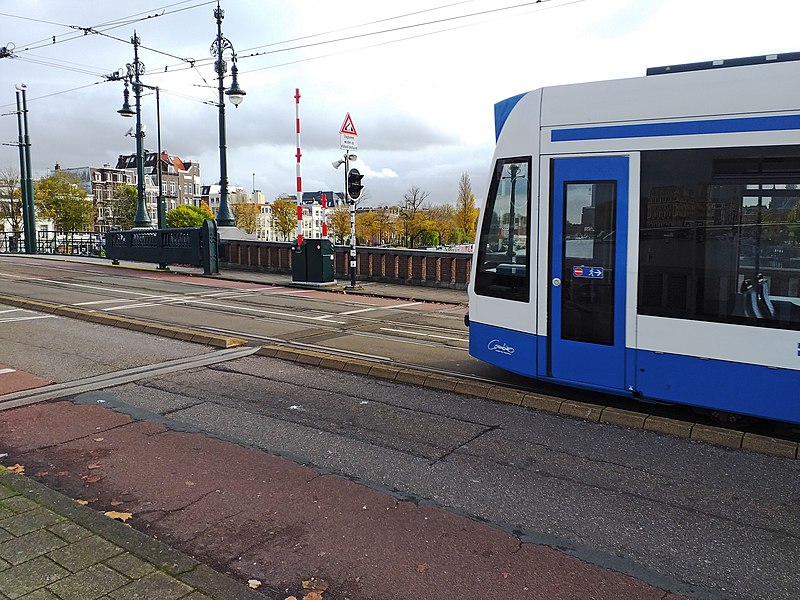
(54,549)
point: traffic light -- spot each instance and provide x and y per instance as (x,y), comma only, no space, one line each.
(354,186)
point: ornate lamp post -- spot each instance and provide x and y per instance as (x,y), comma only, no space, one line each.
(236,94)
(142,219)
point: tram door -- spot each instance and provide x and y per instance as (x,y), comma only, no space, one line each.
(587,271)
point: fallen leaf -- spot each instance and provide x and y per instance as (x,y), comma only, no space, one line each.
(253,583)
(290,598)
(505,574)
(62,473)
(119,516)
(317,585)
(422,567)
(82,502)
(91,478)
(313,596)
(41,473)
(17,468)
(116,503)
(93,466)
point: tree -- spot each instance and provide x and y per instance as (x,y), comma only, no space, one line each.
(11,199)
(384,222)
(122,206)
(366,227)
(466,215)
(409,215)
(61,198)
(187,215)
(284,213)
(442,218)
(340,224)
(245,214)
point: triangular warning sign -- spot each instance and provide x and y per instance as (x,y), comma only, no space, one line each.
(348,127)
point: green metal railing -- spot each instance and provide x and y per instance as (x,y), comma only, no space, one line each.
(82,243)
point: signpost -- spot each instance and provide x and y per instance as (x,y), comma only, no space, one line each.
(348,137)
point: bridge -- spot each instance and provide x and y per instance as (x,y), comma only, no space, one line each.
(284,423)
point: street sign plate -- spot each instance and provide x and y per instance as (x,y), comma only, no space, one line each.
(348,142)
(348,134)
(588,272)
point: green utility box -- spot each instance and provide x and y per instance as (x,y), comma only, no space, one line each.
(312,262)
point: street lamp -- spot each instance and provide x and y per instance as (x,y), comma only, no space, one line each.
(126,111)
(336,164)
(236,95)
(141,219)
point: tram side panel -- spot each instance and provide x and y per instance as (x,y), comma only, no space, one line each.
(502,290)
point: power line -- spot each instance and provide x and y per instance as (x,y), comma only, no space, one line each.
(172,68)
(403,39)
(80,87)
(395,18)
(84,31)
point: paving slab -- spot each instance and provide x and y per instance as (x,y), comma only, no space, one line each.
(52,548)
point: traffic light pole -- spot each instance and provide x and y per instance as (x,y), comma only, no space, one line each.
(352,204)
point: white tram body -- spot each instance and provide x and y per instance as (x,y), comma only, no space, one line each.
(642,237)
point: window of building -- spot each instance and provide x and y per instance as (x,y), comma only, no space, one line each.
(720,235)
(504,253)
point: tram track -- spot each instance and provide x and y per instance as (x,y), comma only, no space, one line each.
(318,330)
(265,309)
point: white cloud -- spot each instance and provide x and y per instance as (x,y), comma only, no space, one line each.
(423,107)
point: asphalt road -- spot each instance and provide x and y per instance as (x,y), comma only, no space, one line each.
(682,516)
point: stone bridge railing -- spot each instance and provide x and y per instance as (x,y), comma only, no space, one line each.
(433,268)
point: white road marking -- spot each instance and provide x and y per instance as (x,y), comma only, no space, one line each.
(4,371)
(371,308)
(9,310)
(15,319)
(429,335)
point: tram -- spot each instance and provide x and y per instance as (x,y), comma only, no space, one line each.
(642,237)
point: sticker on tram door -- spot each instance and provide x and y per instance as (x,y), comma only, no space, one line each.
(588,272)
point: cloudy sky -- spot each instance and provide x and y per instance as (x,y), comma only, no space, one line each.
(419,78)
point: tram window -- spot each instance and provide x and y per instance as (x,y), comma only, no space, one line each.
(720,235)
(503,247)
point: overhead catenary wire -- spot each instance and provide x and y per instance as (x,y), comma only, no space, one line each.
(84,31)
(395,41)
(194,64)
(240,55)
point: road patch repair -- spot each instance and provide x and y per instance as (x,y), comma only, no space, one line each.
(719,436)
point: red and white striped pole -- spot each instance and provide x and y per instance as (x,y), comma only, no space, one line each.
(324,216)
(299,177)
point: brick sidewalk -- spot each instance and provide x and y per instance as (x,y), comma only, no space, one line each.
(54,549)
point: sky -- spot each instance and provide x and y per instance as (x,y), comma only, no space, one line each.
(419,78)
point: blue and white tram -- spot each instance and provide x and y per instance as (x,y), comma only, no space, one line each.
(642,237)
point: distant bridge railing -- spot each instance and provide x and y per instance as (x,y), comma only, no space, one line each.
(435,268)
(82,243)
